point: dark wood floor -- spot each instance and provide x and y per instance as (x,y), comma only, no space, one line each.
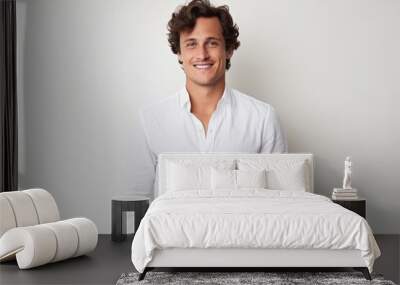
(110,260)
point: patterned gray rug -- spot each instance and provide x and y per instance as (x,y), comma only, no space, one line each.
(269,278)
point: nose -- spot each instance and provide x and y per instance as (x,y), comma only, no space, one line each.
(202,53)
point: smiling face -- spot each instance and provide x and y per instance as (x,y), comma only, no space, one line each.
(203,54)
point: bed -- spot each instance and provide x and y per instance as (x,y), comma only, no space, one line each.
(242,210)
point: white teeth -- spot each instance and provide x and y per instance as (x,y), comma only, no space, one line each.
(202,66)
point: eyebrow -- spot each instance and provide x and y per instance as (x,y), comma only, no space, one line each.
(207,39)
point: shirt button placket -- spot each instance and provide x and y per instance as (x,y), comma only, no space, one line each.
(201,135)
(208,140)
(211,131)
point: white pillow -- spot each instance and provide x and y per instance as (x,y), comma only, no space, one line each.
(251,178)
(182,177)
(236,179)
(223,179)
(291,178)
(281,174)
(187,174)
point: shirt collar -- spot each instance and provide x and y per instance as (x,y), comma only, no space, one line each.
(184,99)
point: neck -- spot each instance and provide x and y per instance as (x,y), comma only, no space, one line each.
(204,99)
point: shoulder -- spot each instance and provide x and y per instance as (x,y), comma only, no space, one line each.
(162,108)
(251,104)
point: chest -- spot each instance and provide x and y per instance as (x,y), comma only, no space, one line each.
(207,133)
(203,117)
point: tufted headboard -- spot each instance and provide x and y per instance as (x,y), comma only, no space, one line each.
(165,158)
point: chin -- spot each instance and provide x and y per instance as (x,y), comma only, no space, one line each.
(205,82)
(208,81)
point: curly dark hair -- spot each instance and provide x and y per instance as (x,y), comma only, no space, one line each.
(185,19)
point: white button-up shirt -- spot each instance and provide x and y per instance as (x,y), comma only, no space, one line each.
(240,123)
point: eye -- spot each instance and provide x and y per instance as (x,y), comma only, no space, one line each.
(213,43)
(190,44)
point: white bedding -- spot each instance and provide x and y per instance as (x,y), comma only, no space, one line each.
(250,218)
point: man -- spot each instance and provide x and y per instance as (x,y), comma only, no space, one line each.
(207,116)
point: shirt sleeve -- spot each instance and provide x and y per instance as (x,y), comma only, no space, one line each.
(274,139)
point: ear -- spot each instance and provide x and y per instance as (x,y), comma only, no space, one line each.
(180,58)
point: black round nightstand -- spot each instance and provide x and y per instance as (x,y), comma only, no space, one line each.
(120,204)
(358,205)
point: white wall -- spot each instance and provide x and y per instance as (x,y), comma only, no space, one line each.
(330,68)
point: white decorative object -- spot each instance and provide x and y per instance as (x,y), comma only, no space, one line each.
(32,233)
(347,173)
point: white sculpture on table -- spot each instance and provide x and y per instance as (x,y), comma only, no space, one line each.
(347,173)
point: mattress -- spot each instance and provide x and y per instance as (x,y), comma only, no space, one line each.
(251,219)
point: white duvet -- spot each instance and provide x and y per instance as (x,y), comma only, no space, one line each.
(251,218)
